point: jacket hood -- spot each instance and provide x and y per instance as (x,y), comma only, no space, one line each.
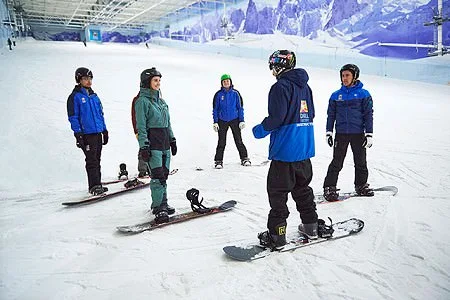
(297,76)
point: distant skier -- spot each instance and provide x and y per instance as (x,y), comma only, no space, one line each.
(156,140)
(350,110)
(290,125)
(9,44)
(142,165)
(228,111)
(86,118)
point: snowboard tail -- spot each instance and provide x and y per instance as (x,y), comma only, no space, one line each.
(178,218)
(255,251)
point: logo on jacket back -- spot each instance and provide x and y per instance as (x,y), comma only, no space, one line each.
(304,116)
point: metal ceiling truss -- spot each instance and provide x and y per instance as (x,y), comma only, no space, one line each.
(109,14)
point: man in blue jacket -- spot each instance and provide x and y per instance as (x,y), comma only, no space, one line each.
(290,125)
(85,113)
(228,112)
(350,110)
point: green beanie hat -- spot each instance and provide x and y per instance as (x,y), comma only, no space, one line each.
(225,76)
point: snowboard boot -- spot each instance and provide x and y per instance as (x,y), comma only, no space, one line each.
(98,190)
(310,230)
(272,241)
(364,190)
(246,162)
(161,217)
(170,210)
(330,193)
(218,164)
(142,174)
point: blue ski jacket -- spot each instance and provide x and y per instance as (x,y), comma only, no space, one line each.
(85,111)
(290,120)
(228,105)
(350,109)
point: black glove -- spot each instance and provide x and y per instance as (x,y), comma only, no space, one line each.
(80,140)
(330,138)
(105,137)
(145,153)
(173,146)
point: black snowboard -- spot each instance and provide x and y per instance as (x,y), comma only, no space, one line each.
(151,225)
(256,251)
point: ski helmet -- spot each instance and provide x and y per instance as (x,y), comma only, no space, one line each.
(282,60)
(352,68)
(147,75)
(81,72)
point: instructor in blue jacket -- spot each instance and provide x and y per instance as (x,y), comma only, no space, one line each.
(290,125)
(350,112)
(85,113)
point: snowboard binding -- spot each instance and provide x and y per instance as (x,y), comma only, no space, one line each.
(196,205)
(325,231)
(132,183)
(123,171)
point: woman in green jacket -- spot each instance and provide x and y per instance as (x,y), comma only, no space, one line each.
(156,140)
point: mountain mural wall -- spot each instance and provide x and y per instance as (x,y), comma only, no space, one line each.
(356,24)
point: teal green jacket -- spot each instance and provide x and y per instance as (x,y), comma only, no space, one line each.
(153,121)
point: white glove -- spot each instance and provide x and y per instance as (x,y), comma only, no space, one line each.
(241,125)
(216,127)
(329,138)
(368,140)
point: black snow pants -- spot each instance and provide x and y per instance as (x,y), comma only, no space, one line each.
(339,152)
(294,178)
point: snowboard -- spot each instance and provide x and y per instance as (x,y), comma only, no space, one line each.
(107,195)
(125,179)
(389,189)
(255,251)
(261,164)
(178,218)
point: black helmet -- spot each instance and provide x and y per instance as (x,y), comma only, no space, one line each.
(282,60)
(352,68)
(82,71)
(147,75)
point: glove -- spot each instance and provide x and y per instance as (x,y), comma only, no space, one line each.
(330,138)
(145,153)
(216,127)
(80,140)
(173,146)
(368,140)
(105,137)
(241,125)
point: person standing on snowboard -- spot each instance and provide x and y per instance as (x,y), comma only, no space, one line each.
(350,111)
(156,140)
(290,125)
(228,112)
(86,119)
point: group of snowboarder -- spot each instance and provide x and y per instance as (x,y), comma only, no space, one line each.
(289,123)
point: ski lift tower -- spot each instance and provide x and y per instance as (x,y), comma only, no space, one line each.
(438,20)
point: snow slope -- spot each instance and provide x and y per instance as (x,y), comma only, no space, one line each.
(51,252)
